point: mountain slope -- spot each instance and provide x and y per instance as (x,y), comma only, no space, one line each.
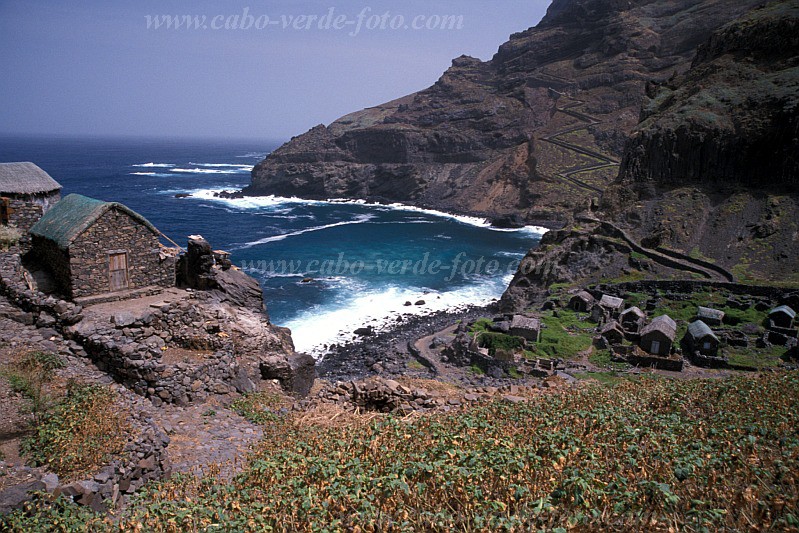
(536,132)
(713,167)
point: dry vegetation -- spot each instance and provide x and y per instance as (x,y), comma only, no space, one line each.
(657,455)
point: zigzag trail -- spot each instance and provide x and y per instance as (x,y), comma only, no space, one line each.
(664,257)
(603,161)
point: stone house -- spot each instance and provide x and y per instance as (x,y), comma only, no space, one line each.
(782,317)
(700,338)
(658,336)
(613,333)
(582,302)
(612,305)
(26,193)
(525,327)
(93,247)
(711,317)
(632,319)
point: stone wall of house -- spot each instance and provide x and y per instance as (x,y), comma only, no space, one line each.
(117,231)
(49,255)
(27,210)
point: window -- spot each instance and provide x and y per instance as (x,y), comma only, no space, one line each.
(706,346)
(655,347)
(5,211)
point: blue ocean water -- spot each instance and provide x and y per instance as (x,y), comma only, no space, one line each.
(327,268)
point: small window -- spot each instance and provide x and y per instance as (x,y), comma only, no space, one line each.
(656,347)
(706,346)
(5,211)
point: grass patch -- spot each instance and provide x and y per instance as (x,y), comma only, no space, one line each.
(756,357)
(602,359)
(476,370)
(413,364)
(565,335)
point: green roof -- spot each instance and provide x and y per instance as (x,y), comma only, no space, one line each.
(70,217)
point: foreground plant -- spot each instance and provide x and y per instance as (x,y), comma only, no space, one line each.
(651,455)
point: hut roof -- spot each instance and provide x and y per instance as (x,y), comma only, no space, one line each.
(707,312)
(783,309)
(635,311)
(664,324)
(523,322)
(25,178)
(70,217)
(611,301)
(611,326)
(700,330)
(584,296)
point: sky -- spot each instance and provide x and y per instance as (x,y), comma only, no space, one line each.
(94,67)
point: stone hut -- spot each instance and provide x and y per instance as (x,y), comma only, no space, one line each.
(26,193)
(782,317)
(527,328)
(700,338)
(612,305)
(582,302)
(613,333)
(712,317)
(658,336)
(632,319)
(93,247)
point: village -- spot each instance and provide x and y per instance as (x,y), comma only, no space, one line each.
(655,325)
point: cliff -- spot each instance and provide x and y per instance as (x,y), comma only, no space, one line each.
(713,166)
(537,131)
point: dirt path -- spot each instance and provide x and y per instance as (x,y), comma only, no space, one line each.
(601,161)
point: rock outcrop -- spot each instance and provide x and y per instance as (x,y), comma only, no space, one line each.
(535,132)
(733,118)
(712,169)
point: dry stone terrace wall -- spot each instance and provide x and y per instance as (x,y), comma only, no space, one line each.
(131,348)
(117,231)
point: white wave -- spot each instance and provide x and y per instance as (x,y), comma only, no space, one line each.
(161,175)
(254,202)
(204,171)
(223,165)
(379,308)
(155,165)
(249,202)
(259,155)
(360,219)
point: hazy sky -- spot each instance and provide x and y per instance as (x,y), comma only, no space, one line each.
(93,67)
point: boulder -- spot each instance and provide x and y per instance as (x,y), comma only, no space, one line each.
(296,373)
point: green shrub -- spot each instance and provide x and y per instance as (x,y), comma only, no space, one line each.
(80,434)
(29,376)
(500,341)
(480,325)
(259,407)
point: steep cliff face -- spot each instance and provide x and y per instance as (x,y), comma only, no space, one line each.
(537,131)
(734,116)
(713,166)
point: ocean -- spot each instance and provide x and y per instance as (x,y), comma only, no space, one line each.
(327,268)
